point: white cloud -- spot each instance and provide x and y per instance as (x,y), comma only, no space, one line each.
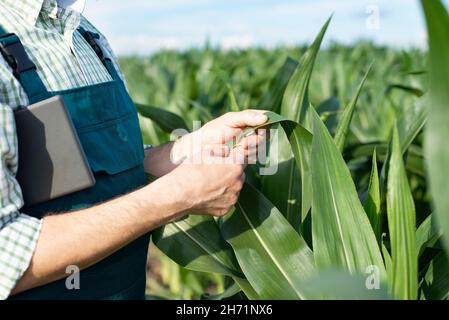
(237,41)
(142,44)
(106,7)
(423,37)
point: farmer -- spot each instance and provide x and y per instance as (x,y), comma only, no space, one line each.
(102,230)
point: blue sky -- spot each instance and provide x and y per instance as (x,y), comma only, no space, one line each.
(145,26)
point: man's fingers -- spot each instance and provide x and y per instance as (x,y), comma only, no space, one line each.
(246,118)
(254,141)
(249,142)
(238,155)
(220,151)
(263,133)
(214,154)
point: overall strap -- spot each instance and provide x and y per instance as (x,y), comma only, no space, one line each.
(93,40)
(23,68)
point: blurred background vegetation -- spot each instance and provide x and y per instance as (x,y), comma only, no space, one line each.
(184,82)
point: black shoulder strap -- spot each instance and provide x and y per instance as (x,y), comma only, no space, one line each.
(93,40)
(23,68)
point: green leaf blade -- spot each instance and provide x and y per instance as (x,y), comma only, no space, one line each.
(402,226)
(300,141)
(272,99)
(195,243)
(427,235)
(436,279)
(342,234)
(283,188)
(234,106)
(272,255)
(301,146)
(166,120)
(348,112)
(372,201)
(437,130)
(296,102)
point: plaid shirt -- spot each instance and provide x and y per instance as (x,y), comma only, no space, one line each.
(64,60)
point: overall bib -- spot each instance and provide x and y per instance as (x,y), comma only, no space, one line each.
(106,122)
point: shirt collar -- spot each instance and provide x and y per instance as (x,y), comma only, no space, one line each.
(30,10)
(75,5)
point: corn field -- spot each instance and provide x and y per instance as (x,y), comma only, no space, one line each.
(358,207)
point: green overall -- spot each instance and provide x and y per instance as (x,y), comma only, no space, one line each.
(106,121)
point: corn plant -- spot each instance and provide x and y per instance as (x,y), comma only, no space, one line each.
(349,212)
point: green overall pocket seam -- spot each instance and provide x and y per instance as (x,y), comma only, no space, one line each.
(106,124)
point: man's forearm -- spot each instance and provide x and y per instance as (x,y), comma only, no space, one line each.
(87,236)
(157,160)
(163,159)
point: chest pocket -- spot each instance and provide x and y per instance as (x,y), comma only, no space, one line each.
(107,125)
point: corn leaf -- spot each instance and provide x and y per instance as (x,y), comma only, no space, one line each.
(294,106)
(300,141)
(232,290)
(301,145)
(272,98)
(436,280)
(224,78)
(348,112)
(247,289)
(409,89)
(402,226)
(296,102)
(388,264)
(283,188)
(372,200)
(196,244)
(234,106)
(411,123)
(427,235)
(285,196)
(270,252)
(329,111)
(437,130)
(294,197)
(166,120)
(341,232)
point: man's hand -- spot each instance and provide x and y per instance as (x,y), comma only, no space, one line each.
(215,135)
(210,184)
(211,187)
(212,137)
(207,176)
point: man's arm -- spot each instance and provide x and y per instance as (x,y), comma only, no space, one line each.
(85,237)
(158,159)
(18,232)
